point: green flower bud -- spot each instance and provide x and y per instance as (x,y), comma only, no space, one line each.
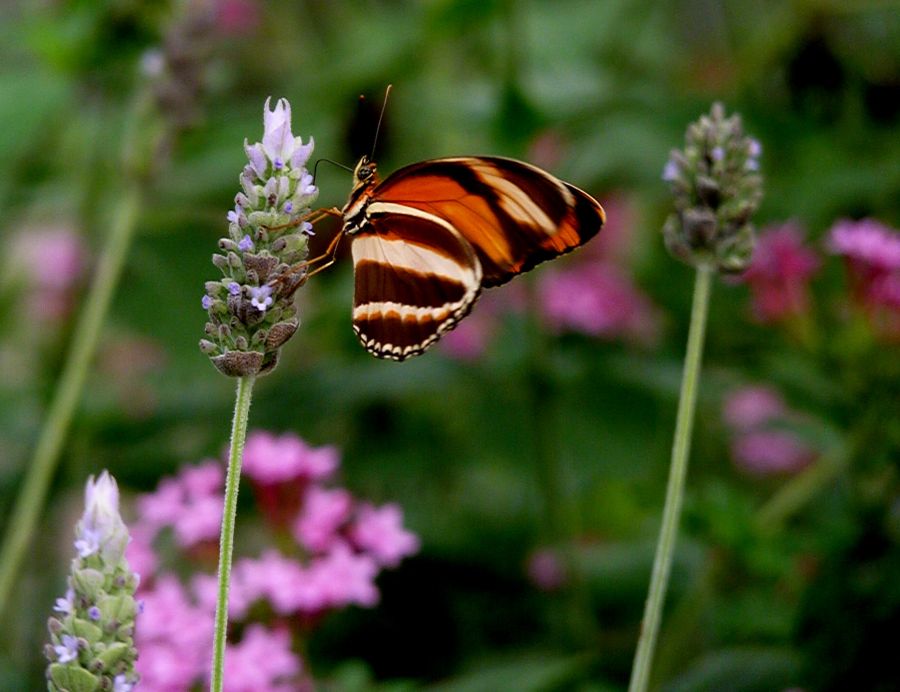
(716,188)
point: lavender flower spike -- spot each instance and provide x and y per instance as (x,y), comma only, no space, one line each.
(251,310)
(91,637)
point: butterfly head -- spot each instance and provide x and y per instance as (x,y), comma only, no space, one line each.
(365,174)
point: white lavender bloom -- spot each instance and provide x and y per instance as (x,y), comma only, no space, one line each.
(92,636)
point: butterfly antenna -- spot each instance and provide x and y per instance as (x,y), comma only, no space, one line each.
(387,92)
(333,163)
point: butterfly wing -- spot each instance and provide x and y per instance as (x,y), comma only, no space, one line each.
(415,278)
(513,214)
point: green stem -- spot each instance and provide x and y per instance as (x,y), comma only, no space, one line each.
(30,500)
(226,542)
(665,548)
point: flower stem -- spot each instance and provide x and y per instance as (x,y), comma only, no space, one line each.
(226,542)
(30,500)
(665,548)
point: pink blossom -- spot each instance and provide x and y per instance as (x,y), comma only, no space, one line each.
(751,407)
(174,638)
(867,241)
(54,258)
(766,452)
(324,512)
(190,503)
(205,589)
(380,532)
(780,272)
(598,300)
(873,260)
(52,261)
(201,521)
(237,17)
(346,578)
(271,459)
(546,571)
(284,582)
(261,662)
(139,552)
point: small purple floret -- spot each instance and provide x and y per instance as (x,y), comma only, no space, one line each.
(206,302)
(246,244)
(261,297)
(94,613)
(234,288)
(670,172)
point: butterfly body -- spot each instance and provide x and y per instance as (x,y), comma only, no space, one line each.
(431,235)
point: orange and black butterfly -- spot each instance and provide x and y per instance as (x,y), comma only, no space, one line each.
(431,235)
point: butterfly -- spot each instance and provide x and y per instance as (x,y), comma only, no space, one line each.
(428,238)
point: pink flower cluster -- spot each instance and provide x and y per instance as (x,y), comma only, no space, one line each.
(780,273)
(872,252)
(332,549)
(761,444)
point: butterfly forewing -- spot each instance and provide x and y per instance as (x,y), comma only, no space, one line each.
(431,235)
(514,215)
(415,278)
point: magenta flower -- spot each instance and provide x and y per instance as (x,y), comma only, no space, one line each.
(51,262)
(174,637)
(324,512)
(867,241)
(271,459)
(379,531)
(780,272)
(757,446)
(597,300)
(751,407)
(262,662)
(872,251)
(546,571)
(191,504)
(766,452)
(341,545)
(346,578)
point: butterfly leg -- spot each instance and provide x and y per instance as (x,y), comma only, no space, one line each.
(312,217)
(328,254)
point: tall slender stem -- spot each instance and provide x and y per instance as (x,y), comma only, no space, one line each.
(226,542)
(665,547)
(30,500)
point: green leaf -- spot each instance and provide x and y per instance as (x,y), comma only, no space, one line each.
(70,679)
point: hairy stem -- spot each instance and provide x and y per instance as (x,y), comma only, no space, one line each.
(226,541)
(665,548)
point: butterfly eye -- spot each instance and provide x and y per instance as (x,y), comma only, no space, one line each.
(365,172)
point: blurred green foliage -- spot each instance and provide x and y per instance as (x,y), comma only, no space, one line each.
(545,440)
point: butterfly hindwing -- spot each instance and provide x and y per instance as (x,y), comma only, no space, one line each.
(415,278)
